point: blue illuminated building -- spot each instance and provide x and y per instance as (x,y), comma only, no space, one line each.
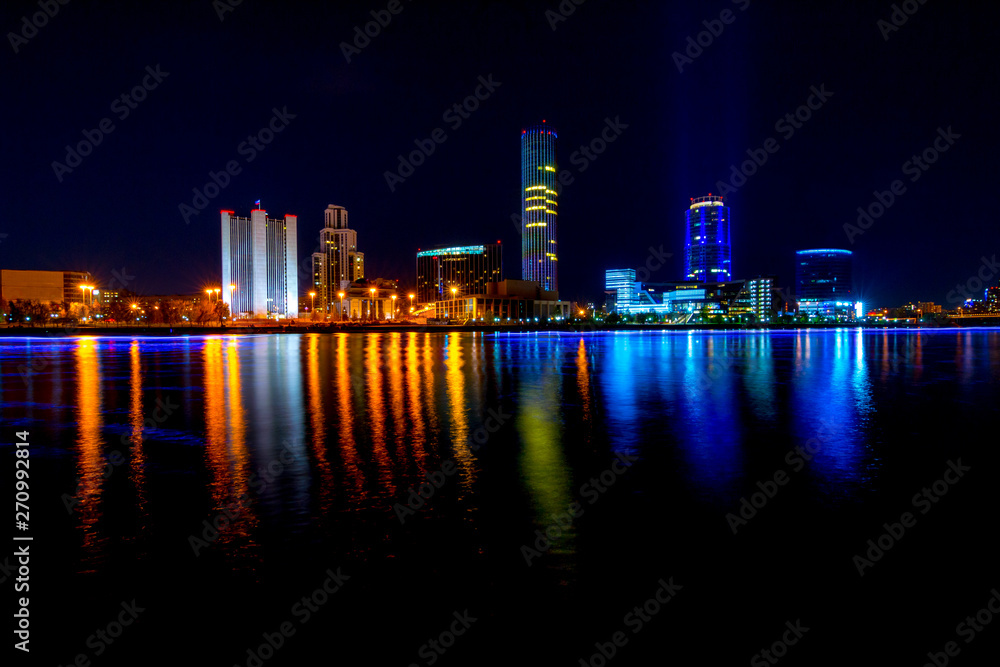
(621,288)
(823,279)
(707,245)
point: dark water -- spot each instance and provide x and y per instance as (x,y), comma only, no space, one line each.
(633,450)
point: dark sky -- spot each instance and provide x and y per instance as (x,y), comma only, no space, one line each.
(609,59)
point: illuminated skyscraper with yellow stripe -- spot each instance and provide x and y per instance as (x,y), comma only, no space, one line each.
(539,206)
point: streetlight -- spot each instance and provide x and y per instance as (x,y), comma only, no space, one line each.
(84,289)
(312,295)
(411,302)
(371,310)
(209,293)
(393,307)
(341,295)
(454,292)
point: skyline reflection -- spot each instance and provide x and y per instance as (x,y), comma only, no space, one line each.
(363,418)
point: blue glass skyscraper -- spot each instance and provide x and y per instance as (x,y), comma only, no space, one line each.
(823,279)
(707,246)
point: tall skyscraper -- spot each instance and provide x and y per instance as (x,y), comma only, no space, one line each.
(823,282)
(466,268)
(338,261)
(259,261)
(539,201)
(707,247)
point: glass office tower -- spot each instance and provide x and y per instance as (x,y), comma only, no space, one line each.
(466,268)
(823,282)
(707,246)
(621,284)
(539,203)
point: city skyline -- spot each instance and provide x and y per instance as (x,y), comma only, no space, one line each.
(495,332)
(664,150)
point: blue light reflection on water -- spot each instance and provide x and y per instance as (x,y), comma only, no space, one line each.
(364,417)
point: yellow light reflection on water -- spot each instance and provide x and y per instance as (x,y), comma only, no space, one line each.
(377,413)
(397,404)
(137,462)
(542,461)
(583,380)
(345,415)
(415,403)
(226,453)
(317,419)
(90,462)
(457,401)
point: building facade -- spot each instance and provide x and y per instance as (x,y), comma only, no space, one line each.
(259,269)
(338,262)
(46,286)
(505,302)
(622,290)
(823,278)
(539,206)
(707,243)
(368,300)
(755,299)
(468,269)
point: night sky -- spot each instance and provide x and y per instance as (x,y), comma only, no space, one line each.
(119,208)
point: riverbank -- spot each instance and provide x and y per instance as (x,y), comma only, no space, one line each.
(564,327)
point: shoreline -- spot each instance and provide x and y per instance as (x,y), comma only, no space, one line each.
(584,327)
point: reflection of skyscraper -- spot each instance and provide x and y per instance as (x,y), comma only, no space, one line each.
(539,174)
(259,259)
(338,260)
(707,248)
(823,282)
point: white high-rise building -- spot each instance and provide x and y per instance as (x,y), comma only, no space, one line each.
(259,265)
(338,263)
